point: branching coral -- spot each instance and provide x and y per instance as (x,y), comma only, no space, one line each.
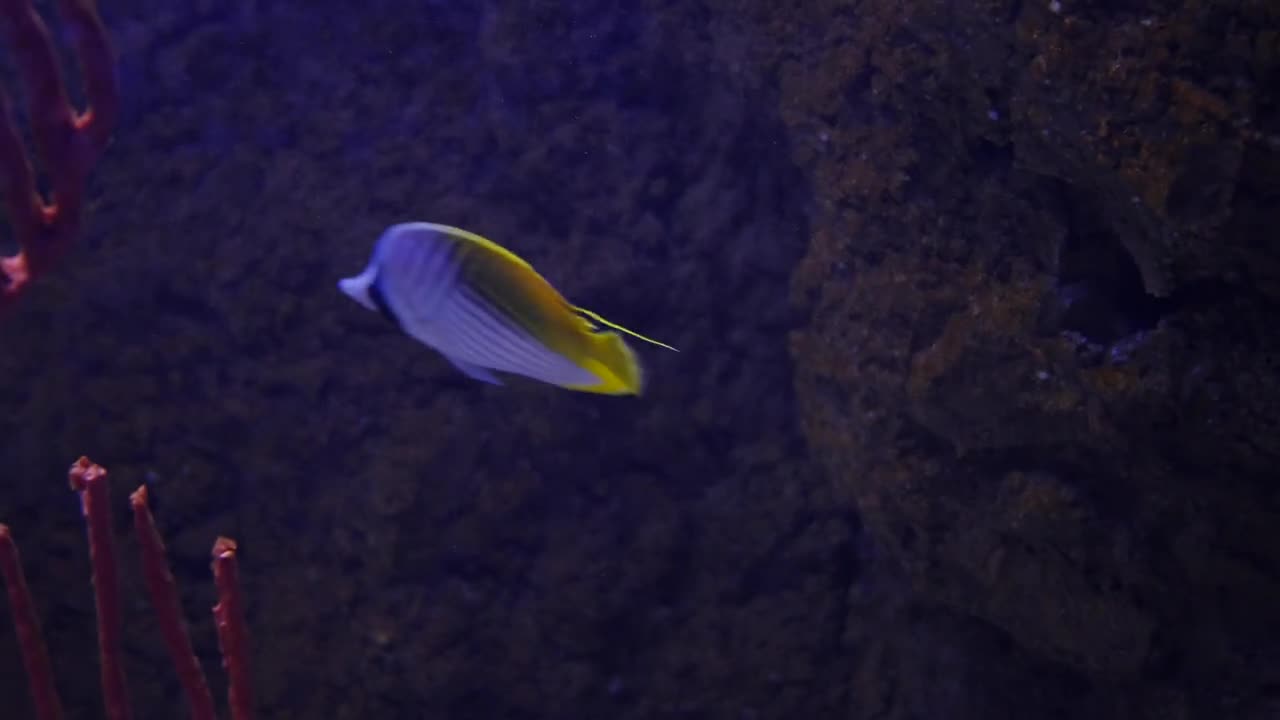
(68,142)
(90,481)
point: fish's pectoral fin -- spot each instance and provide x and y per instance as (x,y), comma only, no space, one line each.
(595,318)
(475,372)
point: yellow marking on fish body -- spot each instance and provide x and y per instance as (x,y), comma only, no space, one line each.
(524,295)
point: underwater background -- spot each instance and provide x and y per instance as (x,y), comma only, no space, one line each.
(975,416)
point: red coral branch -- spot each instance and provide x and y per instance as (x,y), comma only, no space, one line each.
(69,143)
(232,636)
(164,598)
(90,481)
(27,627)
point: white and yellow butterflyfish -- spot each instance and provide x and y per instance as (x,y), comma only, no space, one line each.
(486,309)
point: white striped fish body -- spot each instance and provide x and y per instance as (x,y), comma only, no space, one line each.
(484,309)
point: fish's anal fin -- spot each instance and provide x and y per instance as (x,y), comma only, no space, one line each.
(475,372)
(593,317)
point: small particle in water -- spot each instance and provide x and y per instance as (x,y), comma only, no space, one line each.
(1042,375)
(993,114)
(1055,7)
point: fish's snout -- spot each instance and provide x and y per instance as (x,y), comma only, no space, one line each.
(357,288)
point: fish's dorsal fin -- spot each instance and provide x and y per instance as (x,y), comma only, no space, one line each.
(466,236)
(614,326)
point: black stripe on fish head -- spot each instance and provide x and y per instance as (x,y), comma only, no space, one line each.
(380,301)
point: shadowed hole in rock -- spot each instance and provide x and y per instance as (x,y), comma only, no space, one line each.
(1100,294)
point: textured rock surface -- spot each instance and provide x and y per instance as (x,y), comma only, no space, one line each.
(975,416)
(989,371)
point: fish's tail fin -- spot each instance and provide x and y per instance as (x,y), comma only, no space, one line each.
(615,363)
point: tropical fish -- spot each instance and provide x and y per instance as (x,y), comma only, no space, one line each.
(486,309)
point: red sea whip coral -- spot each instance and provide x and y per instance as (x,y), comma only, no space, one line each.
(90,481)
(68,142)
